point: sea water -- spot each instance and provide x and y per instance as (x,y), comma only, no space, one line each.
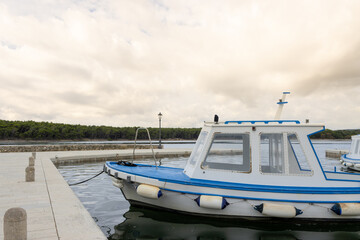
(118,220)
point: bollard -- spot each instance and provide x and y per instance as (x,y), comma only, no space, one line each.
(31,161)
(15,224)
(34,155)
(30,174)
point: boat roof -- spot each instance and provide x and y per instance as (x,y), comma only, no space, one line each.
(260,123)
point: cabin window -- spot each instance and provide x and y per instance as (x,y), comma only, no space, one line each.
(272,153)
(297,159)
(198,148)
(274,158)
(229,152)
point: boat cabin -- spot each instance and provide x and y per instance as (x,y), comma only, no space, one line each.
(270,152)
(355,147)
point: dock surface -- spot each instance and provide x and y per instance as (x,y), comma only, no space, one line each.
(53,210)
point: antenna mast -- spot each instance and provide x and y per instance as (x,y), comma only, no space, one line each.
(281,104)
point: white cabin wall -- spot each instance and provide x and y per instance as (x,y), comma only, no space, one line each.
(311,156)
(255,176)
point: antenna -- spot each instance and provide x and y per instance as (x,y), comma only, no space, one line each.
(281,104)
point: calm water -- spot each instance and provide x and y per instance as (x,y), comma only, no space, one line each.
(118,221)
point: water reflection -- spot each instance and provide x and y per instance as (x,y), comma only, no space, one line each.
(151,224)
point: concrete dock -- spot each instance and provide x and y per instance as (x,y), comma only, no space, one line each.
(127,154)
(53,210)
(335,153)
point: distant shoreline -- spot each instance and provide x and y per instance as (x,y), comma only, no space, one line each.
(31,130)
(96,141)
(40,132)
(70,145)
(67,147)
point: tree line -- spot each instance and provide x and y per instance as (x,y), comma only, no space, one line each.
(336,134)
(31,130)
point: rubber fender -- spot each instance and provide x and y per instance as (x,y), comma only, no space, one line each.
(347,164)
(213,202)
(117,183)
(346,209)
(278,210)
(148,191)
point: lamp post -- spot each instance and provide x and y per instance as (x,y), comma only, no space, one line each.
(160,116)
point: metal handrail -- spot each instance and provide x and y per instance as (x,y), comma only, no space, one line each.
(152,148)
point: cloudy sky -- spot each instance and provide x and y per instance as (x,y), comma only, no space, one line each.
(120,63)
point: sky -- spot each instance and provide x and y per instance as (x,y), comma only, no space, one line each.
(120,63)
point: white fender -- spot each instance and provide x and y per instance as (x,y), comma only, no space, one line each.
(346,209)
(278,210)
(117,182)
(213,202)
(348,164)
(148,191)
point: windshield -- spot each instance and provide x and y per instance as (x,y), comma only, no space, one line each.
(198,148)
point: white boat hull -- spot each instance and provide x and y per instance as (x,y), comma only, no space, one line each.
(237,208)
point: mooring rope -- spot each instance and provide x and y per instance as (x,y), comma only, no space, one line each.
(72,184)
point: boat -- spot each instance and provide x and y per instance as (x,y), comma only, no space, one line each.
(268,169)
(351,160)
(250,169)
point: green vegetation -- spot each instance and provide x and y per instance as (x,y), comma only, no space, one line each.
(336,134)
(30,130)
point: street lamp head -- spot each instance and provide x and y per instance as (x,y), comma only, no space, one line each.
(160,115)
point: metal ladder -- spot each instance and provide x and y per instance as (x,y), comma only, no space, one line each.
(152,148)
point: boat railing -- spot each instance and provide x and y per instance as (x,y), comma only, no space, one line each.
(265,121)
(151,146)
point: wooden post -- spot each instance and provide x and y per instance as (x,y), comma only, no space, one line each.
(15,224)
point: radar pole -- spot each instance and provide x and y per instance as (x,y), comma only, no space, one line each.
(281,104)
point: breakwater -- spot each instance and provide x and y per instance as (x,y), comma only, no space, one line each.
(69,147)
(121,155)
(335,153)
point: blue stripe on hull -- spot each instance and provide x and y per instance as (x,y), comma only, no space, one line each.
(261,199)
(176,175)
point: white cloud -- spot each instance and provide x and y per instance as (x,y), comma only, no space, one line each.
(121,62)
